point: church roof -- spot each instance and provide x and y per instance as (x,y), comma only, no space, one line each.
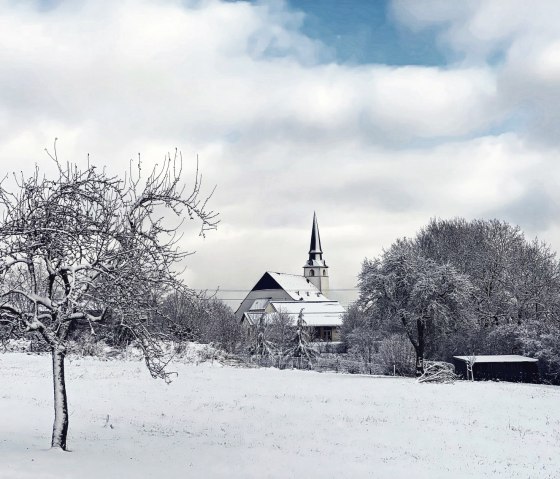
(298,287)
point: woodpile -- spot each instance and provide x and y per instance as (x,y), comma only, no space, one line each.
(438,372)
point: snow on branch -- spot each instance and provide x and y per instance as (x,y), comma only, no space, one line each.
(85,245)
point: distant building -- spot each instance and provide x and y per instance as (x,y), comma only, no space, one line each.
(512,368)
(290,293)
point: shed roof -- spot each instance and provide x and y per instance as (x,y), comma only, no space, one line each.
(498,358)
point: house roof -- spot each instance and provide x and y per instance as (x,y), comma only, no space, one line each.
(298,287)
(325,313)
(498,358)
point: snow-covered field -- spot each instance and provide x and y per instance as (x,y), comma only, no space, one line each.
(215,421)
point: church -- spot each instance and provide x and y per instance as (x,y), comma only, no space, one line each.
(291,293)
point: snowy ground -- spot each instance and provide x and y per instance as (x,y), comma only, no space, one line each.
(215,422)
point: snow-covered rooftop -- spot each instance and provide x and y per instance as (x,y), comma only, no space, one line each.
(298,287)
(325,313)
(498,358)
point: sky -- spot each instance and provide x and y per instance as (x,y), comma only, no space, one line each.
(376,115)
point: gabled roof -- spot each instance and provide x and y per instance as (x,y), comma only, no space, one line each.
(498,358)
(298,287)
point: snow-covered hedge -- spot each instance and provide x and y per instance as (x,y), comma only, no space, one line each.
(185,352)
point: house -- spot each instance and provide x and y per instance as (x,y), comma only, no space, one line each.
(290,294)
(512,367)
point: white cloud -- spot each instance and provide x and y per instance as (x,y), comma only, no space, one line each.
(376,150)
(521,41)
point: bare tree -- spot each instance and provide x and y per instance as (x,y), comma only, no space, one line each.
(84,246)
(200,318)
(221,327)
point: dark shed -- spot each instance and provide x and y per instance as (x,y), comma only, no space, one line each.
(498,367)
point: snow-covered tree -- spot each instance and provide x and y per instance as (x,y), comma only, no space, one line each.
(280,330)
(262,345)
(516,288)
(415,293)
(515,280)
(301,340)
(85,246)
(396,355)
(361,333)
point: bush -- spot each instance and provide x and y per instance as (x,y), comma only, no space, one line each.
(396,356)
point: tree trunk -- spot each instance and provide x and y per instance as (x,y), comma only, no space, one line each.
(60,426)
(420,325)
(419,364)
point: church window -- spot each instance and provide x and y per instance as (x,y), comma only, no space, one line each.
(312,272)
(324,272)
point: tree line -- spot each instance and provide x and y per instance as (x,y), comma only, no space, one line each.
(460,288)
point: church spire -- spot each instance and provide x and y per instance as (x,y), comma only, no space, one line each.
(315,269)
(315,251)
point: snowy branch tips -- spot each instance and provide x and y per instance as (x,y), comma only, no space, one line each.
(86,246)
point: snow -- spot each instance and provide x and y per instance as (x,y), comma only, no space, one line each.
(326,313)
(218,422)
(498,358)
(297,287)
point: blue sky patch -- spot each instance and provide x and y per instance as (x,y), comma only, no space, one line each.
(361,32)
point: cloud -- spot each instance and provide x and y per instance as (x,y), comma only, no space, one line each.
(217,71)
(536,208)
(281,129)
(520,41)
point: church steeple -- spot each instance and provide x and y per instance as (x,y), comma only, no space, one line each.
(315,269)
(315,251)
